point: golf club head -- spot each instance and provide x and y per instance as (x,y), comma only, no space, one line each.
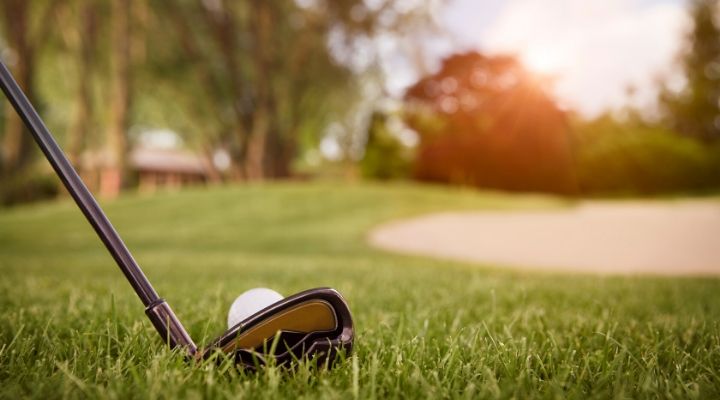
(315,325)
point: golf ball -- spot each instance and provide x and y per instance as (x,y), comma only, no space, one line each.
(251,302)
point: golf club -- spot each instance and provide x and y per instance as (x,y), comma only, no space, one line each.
(315,324)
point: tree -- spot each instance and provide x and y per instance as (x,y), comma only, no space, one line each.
(633,156)
(261,66)
(84,47)
(486,121)
(385,156)
(113,176)
(695,111)
(26,27)
(266,70)
(261,79)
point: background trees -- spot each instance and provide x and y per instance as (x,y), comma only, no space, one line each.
(25,31)
(485,121)
(632,156)
(254,74)
(695,110)
(257,79)
(264,82)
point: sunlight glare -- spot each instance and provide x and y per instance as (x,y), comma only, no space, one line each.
(543,60)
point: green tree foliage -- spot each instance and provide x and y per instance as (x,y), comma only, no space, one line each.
(255,77)
(251,75)
(25,37)
(25,29)
(485,121)
(385,156)
(695,111)
(632,157)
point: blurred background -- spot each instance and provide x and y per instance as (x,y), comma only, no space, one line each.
(591,98)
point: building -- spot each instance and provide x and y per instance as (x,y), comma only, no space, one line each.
(149,168)
(166,168)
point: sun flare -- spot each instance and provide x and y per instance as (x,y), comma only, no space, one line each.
(544,60)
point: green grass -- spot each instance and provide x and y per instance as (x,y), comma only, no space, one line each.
(70,326)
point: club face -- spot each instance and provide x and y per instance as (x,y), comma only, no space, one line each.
(315,324)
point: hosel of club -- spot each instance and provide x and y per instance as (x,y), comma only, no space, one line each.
(169,327)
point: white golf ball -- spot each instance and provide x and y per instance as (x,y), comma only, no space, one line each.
(251,302)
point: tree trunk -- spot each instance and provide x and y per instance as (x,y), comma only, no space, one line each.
(83,114)
(114,175)
(255,168)
(286,151)
(278,147)
(257,160)
(16,142)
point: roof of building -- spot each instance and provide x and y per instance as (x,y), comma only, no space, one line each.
(166,161)
(152,159)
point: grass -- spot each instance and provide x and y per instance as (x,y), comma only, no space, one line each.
(71,327)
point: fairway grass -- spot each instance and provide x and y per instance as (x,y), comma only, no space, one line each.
(70,326)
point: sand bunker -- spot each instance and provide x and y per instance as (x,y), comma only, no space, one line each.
(669,238)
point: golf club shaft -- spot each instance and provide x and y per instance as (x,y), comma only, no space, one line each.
(157,310)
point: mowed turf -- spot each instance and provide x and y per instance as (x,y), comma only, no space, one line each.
(70,326)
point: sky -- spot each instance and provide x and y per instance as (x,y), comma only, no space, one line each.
(591,50)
